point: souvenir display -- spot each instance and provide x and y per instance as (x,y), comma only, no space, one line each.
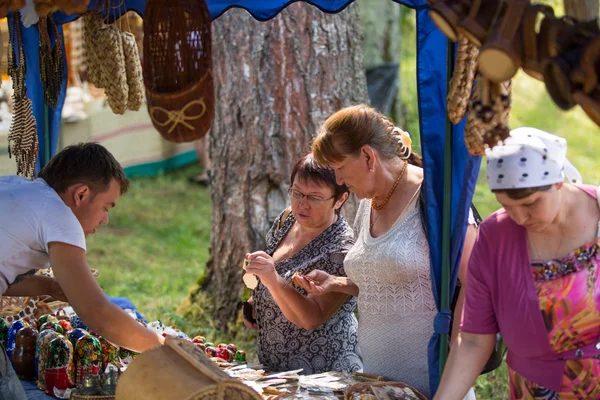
(52,325)
(46,318)
(42,349)
(110,353)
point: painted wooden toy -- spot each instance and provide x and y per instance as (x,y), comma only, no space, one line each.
(88,361)
(14,328)
(75,334)
(110,353)
(46,318)
(24,354)
(59,371)
(42,347)
(240,356)
(3,332)
(199,339)
(211,351)
(65,325)
(225,354)
(232,347)
(52,325)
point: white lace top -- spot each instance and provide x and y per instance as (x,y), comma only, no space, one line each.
(395,305)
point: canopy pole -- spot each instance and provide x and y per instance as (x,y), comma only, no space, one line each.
(447,210)
(46,159)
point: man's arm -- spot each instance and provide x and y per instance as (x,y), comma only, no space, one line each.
(37,285)
(89,302)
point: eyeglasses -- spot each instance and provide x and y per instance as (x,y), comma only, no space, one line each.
(314,200)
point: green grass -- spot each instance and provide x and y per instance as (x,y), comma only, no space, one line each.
(156,243)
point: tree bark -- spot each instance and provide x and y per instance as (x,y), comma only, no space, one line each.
(276,82)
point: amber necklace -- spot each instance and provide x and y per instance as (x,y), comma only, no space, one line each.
(378,207)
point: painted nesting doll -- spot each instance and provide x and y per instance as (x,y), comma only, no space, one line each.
(52,325)
(75,334)
(14,328)
(65,325)
(3,332)
(59,371)
(110,353)
(88,359)
(24,354)
(46,318)
(42,347)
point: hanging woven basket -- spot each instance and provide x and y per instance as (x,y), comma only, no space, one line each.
(178,68)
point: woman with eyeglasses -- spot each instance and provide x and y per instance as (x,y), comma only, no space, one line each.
(296,330)
(389,266)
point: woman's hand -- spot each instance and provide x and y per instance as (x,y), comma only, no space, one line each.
(316,282)
(262,265)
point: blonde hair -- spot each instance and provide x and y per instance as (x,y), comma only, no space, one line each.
(346,131)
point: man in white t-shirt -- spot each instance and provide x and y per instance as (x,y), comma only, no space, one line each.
(44,223)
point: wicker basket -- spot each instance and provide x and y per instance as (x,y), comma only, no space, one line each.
(179,370)
(76,396)
(178,68)
(365,388)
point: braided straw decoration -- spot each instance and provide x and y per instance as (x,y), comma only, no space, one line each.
(474,130)
(133,69)
(461,83)
(22,137)
(105,49)
(91,24)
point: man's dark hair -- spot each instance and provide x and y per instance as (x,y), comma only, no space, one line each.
(84,163)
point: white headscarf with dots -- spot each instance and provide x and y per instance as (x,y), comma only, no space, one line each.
(529,158)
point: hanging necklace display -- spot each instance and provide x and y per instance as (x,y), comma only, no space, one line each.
(22,137)
(51,61)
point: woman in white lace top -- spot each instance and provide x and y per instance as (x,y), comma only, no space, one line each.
(388,267)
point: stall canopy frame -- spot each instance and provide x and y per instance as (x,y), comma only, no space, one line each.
(450,172)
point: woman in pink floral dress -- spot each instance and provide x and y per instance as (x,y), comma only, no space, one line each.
(533,277)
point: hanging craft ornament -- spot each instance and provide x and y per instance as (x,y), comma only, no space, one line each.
(22,137)
(133,69)
(106,67)
(461,83)
(178,68)
(51,61)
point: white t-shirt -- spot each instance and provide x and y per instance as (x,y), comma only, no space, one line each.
(31,216)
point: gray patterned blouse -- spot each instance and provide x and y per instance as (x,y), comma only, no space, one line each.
(283,346)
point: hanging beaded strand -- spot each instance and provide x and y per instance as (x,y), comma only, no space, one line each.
(51,61)
(22,137)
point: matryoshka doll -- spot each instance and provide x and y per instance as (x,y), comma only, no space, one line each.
(45,318)
(59,371)
(75,334)
(52,325)
(88,352)
(24,354)
(15,327)
(109,353)
(3,332)
(42,347)
(76,322)
(65,325)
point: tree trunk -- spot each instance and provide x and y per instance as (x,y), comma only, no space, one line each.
(276,82)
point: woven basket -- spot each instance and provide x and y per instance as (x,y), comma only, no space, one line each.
(178,68)
(179,370)
(75,396)
(365,388)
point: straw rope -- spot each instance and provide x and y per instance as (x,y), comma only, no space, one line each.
(133,71)
(461,83)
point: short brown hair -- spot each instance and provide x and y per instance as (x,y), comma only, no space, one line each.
(353,127)
(518,194)
(308,169)
(85,163)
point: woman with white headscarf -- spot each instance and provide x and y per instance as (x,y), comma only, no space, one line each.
(533,277)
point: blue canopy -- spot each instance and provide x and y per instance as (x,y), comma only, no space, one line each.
(436,140)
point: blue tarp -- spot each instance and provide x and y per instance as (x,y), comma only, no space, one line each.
(431,76)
